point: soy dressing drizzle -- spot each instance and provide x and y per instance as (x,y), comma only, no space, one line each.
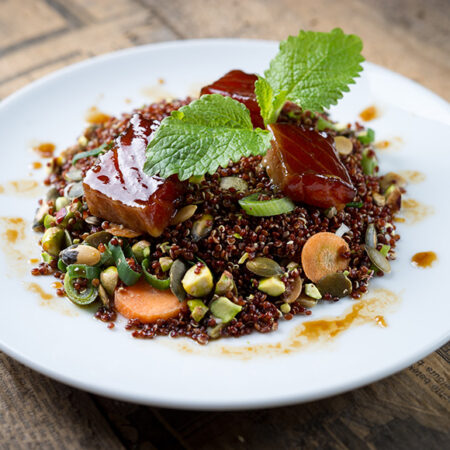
(323,331)
(45,149)
(424,259)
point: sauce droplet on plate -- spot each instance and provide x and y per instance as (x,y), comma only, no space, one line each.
(45,149)
(369,113)
(96,117)
(424,259)
(34,287)
(382,144)
(36,165)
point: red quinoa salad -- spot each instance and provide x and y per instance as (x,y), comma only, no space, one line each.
(229,213)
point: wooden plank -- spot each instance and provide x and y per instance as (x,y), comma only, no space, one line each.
(36,411)
(409,410)
(409,37)
(18,68)
(139,426)
(25,21)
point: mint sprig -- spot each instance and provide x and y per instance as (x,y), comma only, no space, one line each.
(200,137)
(312,70)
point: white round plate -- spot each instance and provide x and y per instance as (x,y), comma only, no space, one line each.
(65,342)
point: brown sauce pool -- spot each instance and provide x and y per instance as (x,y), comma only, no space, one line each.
(96,117)
(368,310)
(424,259)
(26,187)
(414,211)
(14,244)
(369,114)
(382,145)
(412,176)
(35,288)
(45,149)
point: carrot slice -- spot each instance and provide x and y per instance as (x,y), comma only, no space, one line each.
(322,255)
(144,302)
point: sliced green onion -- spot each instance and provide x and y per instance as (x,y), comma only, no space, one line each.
(384,250)
(83,271)
(126,273)
(322,124)
(262,208)
(106,259)
(152,279)
(369,162)
(366,137)
(354,205)
(85,297)
(93,152)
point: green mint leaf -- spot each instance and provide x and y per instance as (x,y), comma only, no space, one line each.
(270,102)
(200,137)
(314,68)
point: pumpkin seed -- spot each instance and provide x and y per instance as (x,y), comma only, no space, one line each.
(343,145)
(121,231)
(67,239)
(393,197)
(202,227)
(39,217)
(371,236)
(264,267)
(52,194)
(183,214)
(293,290)
(103,295)
(380,200)
(73,174)
(74,190)
(378,260)
(95,239)
(308,302)
(176,274)
(392,178)
(236,183)
(336,284)
(92,220)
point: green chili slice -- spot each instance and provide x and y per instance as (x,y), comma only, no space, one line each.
(153,280)
(369,162)
(262,208)
(106,259)
(323,124)
(88,294)
(83,271)
(93,152)
(366,137)
(126,273)
(354,205)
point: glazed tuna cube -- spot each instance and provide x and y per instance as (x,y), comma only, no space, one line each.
(117,189)
(241,87)
(307,168)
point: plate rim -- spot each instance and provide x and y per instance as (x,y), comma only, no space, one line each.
(203,404)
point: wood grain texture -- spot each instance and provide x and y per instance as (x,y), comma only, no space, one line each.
(409,410)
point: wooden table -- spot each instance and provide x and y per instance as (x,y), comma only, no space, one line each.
(407,410)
